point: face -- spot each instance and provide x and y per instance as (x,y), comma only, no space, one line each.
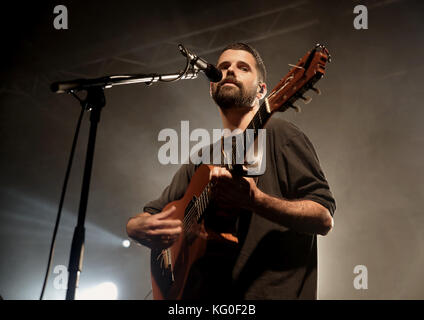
(239,84)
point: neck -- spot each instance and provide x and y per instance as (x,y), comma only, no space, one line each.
(239,117)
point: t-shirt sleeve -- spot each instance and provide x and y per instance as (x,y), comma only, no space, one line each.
(306,179)
(174,191)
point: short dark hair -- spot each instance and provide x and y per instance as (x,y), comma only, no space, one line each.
(246,47)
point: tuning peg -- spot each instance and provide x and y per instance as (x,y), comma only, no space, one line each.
(296,66)
(296,108)
(306,100)
(316,90)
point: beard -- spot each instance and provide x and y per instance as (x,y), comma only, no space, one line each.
(227,97)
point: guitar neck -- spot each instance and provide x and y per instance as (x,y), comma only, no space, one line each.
(260,118)
(258,122)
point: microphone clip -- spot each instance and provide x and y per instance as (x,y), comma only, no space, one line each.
(213,74)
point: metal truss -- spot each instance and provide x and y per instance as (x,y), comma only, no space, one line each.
(163,52)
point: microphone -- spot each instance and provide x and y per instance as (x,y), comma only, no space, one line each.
(213,74)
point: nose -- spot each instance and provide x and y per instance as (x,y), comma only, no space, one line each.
(230,70)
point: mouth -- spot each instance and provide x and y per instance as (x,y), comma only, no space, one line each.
(229,82)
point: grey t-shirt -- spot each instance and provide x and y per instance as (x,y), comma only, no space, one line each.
(271,261)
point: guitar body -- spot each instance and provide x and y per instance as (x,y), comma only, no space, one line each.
(169,277)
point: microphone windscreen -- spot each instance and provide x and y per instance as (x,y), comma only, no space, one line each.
(214,74)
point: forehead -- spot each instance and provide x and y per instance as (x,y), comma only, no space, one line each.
(236,56)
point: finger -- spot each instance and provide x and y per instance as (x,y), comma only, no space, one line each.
(165,232)
(165,237)
(213,174)
(225,173)
(225,177)
(219,175)
(166,213)
(164,224)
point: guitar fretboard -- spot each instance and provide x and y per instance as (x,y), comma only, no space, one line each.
(258,121)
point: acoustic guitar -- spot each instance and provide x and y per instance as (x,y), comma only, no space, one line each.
(170,267)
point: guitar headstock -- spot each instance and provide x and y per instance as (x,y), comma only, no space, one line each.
(300,79)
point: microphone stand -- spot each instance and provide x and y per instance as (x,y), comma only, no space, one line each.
(94,102)
(110,81)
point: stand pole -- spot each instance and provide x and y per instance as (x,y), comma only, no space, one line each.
(94,102)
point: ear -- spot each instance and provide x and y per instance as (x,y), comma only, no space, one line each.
(262,90)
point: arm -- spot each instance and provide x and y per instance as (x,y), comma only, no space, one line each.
(154,230)
(301,215)
(157,229)
(304,216)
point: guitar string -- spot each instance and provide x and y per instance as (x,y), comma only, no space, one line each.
(191,212)
(188,220)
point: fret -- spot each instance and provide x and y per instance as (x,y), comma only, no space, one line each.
(204,201)
(199,207)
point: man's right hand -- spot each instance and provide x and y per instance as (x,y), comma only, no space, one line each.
(156,231)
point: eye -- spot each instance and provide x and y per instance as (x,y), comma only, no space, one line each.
(223,66)
(243,67)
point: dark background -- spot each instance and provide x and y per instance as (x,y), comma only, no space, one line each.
(366,127)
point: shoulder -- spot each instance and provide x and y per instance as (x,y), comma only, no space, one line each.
(282,130)
(187,170)
(289,138)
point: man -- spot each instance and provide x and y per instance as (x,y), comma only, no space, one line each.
(279,214)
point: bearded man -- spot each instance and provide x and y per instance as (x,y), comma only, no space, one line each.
(278,215)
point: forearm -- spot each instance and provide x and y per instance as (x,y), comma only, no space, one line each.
(303,216)
(132,228)
(155,230)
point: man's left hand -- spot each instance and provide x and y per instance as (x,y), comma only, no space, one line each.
(232,191)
